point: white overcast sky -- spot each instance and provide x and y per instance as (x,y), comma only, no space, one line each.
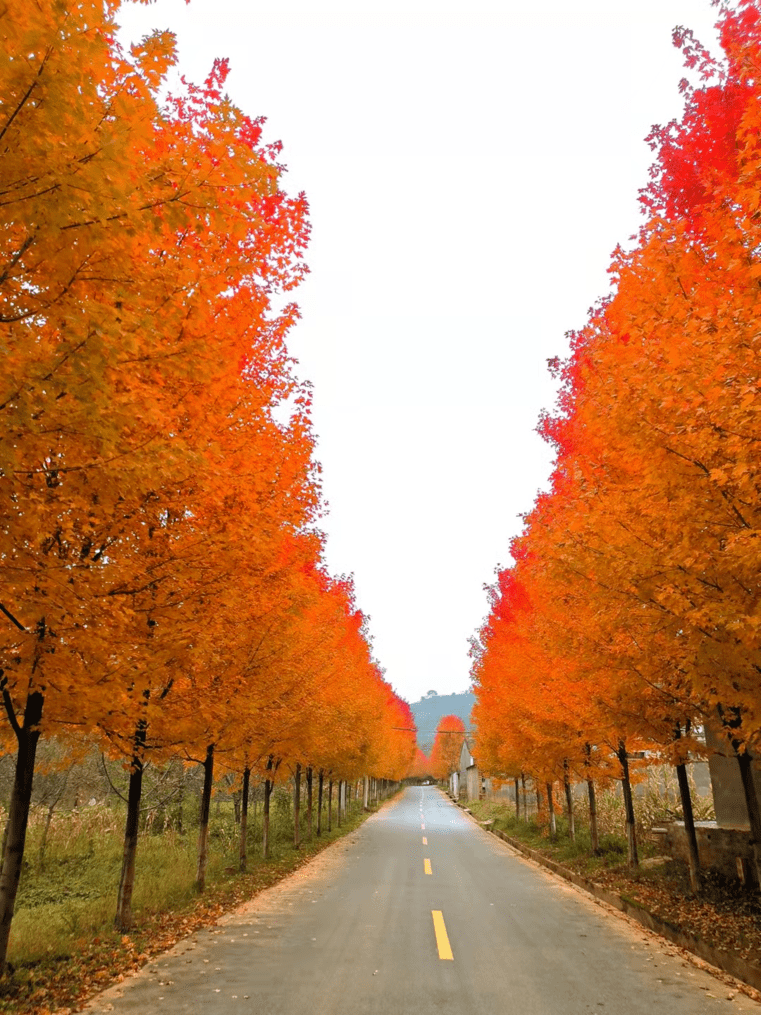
(469,166)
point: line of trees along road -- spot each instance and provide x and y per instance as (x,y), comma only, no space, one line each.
(632,614)
(161,584)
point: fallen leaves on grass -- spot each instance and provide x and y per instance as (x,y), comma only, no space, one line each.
(61,984)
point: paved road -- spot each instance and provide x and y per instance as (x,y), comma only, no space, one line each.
(420,911)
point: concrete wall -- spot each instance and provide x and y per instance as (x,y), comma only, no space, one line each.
(728,796)
(473,783)
(727,850)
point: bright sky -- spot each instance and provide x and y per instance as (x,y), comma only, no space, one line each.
(470,165)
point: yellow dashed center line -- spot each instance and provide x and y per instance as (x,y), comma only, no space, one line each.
(442,938)
(425,841)
(427,866)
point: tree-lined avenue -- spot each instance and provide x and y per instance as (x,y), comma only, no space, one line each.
(364,930)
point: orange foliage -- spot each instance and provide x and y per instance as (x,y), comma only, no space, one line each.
(161,582)
(633,610)
(447,744)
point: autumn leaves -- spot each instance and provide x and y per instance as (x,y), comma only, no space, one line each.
(631,615)
(160,570)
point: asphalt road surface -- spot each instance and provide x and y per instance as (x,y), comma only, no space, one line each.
(421,911)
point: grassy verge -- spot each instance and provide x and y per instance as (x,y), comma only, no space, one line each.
(577,855)
(64,947)
(725,914)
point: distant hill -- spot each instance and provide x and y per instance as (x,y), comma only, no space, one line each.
(433,707)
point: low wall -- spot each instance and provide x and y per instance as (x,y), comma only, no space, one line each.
(727,850)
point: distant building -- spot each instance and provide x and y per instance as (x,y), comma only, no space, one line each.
(466,783)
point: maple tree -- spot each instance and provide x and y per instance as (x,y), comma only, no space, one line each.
(639,567)
(420,767)
(447,744)
(161,582)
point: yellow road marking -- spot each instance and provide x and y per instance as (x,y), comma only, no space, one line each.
(442,938)
(427,866)
(425,841)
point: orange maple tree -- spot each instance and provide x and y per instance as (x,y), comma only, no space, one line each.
(159,576)
(640,565)
(447,744)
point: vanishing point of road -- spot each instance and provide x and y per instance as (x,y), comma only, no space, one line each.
(418,912)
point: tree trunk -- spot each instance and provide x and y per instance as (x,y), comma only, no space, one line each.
(569,802)
(517,801)
(181,800)
(309,801)
(525,800)
(538,801)
(338,804)
(631,830)
(244,817)
(693,859)
(27,736)
(320,780)
(203,827)
(297,807)
(123,918)
(330,805)
(731,720)
(266,815)
(754,811)
(551,806)
(366,793)
(593,816)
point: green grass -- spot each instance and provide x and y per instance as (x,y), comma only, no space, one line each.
(562,849)
(70,900)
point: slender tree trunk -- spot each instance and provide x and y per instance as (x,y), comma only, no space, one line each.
(538,802)
(525,799)
(203,826)
(366,793)
(320,780)
(731,720)
(569,801)
(693,859)
(593,833)
(330,805)
(123,918)
(754,811)
(244,818)
(551,806)
(593,816)
(338,803)
(517,801)
(297,807)
(27,736)
(181,800)
(309,802)
(266,814)
(631,828)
